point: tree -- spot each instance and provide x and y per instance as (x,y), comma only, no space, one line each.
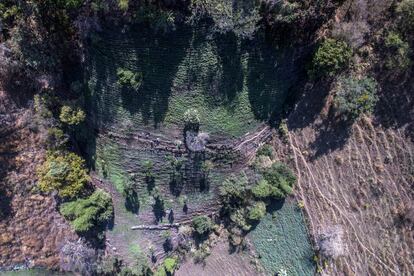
(356,96)
(192,119)
(127,78)
(89,213)
(399,50)
(71,116)
(233,189)
(202,225)
(257,211)
(262,189)
(281,180)
(64,172)
(331,57)
(405,12)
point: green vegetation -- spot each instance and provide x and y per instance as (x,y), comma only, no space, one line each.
(281,241)
(331,57)
(262,189)
(405,11)
(123,4)
(192,119)
(71,116)
(356,96)
(64,172)
(257,211)
(234,188)
(168,267)
(265,150)
(89,213)
(280,178)
(127,78)
(398,52)
(202,225)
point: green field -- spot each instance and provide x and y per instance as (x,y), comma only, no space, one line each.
(281,240)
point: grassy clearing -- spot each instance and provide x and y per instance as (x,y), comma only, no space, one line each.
(282,242)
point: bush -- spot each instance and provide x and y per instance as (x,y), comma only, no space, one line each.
(87,214)
(168,267)
(257,211)
(405,11)
(202,224)
(398,57)
(356,96)
(71,116)
(123,5)
(331,57)
(64,172)
(239,217)
(192,119)
(265,150)
(234,189)
(127,78)
(281,180)
(262,189)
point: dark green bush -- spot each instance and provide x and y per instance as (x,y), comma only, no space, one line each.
(330,58)
(234,188)
(398,55)
(129,79)
(281,179)
(262,189)
(202,225)
(265,150)
(89,213)
(71,116)
(257,211)
(356,96)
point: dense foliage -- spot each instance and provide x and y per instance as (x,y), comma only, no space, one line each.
(398,52)
(192,119)
(331,57)
(64,172)
(405,11)
(86,214)
(129,79)
(71,116)
(168,267)
(281,180)
(202,224)
(356,96)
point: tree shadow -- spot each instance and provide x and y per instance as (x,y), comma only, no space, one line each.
(395,107)
(158,208)
(333,133)
(230,54)
(272,76)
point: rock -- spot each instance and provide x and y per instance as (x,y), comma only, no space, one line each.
(331,242)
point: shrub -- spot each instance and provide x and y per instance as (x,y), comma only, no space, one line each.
(356,96)
(87,214)
(170,264)
(262,189)
(192,118)
(257,211)
(129,79)
(398,57)
(239,218)
(168,267)
(64,172)
(123,4)
(405,11)
(281,179)
(71,116)
(234,188)
(265,150)
(331,57)
(156,18)
(202,225)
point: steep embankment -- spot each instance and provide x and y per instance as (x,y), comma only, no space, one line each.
(32,232)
